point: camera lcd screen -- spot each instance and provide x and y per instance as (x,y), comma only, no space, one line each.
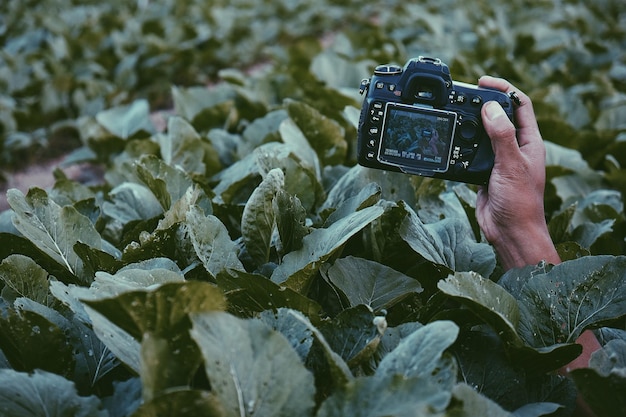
(417,139)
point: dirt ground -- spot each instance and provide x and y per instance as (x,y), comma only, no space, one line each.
(40,174)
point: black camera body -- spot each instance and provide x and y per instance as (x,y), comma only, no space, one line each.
(418,121)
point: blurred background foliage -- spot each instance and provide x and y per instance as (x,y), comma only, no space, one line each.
(63,60)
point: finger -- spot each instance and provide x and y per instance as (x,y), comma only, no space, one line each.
(524,113)
(501,132)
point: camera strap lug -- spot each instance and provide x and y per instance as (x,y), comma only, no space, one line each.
(365,84)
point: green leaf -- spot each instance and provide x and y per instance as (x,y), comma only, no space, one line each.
(252,369)
(53,229)
(204,107)
(603,383)
(370,283)
(159,311)
(297,333)
(298,267)
(421,354)
(474,404)
(212,243)
(30,341)
(43,394)
(353,334)
(335,371)
(420,239)
(557,306)
(167,183)
(248,294)
(393,186)
(325,135)
(182,147)
(460,250)
(25,278)
(130,202)
(486,299)
(298,175)
(258,219)
(396,396)
(291,134)
(366,197)
(290,221)
(184,403)
(611,359)
(92,359)
(127,121)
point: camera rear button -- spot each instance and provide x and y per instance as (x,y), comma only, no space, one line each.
(477,100)
(468,129)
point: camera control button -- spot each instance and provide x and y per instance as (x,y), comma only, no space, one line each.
(460,98)
(373,131)
(468,129)
(477,100)
(371,143)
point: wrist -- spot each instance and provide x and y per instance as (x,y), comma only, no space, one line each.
(525,246)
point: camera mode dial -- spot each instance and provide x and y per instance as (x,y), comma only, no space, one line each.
(388,69)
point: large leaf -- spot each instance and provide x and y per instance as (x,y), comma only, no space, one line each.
(252,369)
(52,228)
(324,134)
(160,320)
(449,242)
(297,332)
(127,121)
(488,300)
(258,218)
(319,245)
(25,278)
(31,341)
(182,147)
(212,243)
(413,378)
(43,394)
(160,311)
(354,334)
(370,283)
(167,183)
(421,354)
(461,251)
(557,306)
(248,294)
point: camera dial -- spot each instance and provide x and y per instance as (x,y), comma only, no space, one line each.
(388,69)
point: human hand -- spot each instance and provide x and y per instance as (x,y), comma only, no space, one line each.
(510,209)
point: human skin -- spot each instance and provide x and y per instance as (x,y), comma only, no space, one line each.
(510,208)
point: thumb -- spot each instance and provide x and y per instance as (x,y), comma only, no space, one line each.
(500,130)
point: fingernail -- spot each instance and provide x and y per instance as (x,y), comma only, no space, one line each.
(493,110)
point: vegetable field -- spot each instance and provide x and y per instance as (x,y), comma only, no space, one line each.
(233,260)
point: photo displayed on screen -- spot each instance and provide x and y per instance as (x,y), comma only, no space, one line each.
(417,137)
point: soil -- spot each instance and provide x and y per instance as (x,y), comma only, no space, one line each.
(40,174)
(36,168)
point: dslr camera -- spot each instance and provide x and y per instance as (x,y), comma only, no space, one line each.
(416,120)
